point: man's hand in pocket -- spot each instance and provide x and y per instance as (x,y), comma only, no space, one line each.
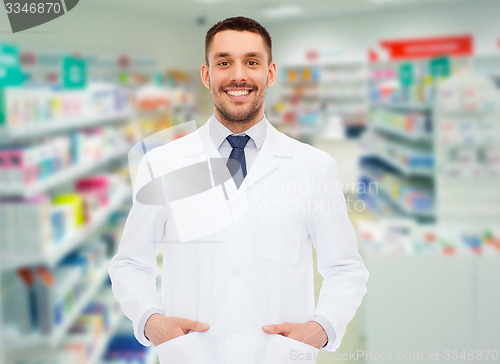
(160,328)
(310,333)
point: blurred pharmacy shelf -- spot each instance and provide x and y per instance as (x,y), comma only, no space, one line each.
(404,106)
(402,134)
(403,168)
(385,193)
(17,342)
(105,339)
(325,94)
(59,178)
(467,150)
(88,127)
(400,139)
(10,134)
(408,158)
(72,241)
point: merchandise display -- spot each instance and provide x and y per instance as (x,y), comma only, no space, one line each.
(408,196)
(36,107)
(88,337)
(58,151)
(170,102)
(413,125)
(405,236)
(322,97)
(56,221)
(467,152)
(400,140)
(407,157)
(31,164)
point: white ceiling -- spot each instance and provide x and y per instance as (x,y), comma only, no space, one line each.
(214,10)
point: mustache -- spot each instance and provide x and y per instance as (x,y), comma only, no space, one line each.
(238,85)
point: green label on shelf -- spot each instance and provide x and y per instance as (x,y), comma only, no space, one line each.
(10,67)
(158,79)
(3,116)
(74,73)
(123,78)
(440,67)
(406,74)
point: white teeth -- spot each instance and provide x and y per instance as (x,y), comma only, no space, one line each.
(238,93)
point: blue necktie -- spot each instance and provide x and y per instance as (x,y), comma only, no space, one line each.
(236,162)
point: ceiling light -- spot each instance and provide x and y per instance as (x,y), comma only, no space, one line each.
(283,11)
(391,1)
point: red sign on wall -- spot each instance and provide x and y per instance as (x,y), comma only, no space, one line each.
(462,45)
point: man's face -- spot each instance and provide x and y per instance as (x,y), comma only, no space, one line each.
(238,75)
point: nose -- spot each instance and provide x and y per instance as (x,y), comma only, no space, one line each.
(238,73)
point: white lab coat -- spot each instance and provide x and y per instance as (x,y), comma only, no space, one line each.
(257,270)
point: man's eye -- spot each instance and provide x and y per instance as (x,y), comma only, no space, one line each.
(252,63)
(223,63)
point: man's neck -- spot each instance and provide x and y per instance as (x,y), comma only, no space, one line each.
(239,126)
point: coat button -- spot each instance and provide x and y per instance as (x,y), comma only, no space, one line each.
(234,336)
(235,271)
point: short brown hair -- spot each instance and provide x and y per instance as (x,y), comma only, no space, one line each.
(239,23)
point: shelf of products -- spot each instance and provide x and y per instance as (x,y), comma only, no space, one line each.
(408,158)
(70,240)
(408,197)
(102,346)
(53,260)
(400,138)
(15,341)
(405,236)
(467,155)
(329,95)
(37,112)
(9,134)
(61,176)
(165,104)
(414,126)
(89,336)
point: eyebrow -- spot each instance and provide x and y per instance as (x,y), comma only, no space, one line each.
(249,54)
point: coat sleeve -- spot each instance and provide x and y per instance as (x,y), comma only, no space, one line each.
(339,263)
(133,270)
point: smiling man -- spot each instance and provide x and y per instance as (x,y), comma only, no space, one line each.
(245,294)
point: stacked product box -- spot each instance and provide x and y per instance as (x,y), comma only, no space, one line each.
(26,226)
(25,165)
(35,226)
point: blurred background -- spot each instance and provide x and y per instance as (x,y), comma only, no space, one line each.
(405,95)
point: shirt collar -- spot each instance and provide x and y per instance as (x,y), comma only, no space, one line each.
(219,132)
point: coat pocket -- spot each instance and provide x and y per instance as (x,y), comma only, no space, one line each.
(184,349)
(282,350)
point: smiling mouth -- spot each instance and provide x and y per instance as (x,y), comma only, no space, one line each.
(238,94)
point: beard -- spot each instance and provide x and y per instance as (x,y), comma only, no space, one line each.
(235,113)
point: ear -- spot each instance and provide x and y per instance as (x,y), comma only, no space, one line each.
(205,75)
(271,75)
